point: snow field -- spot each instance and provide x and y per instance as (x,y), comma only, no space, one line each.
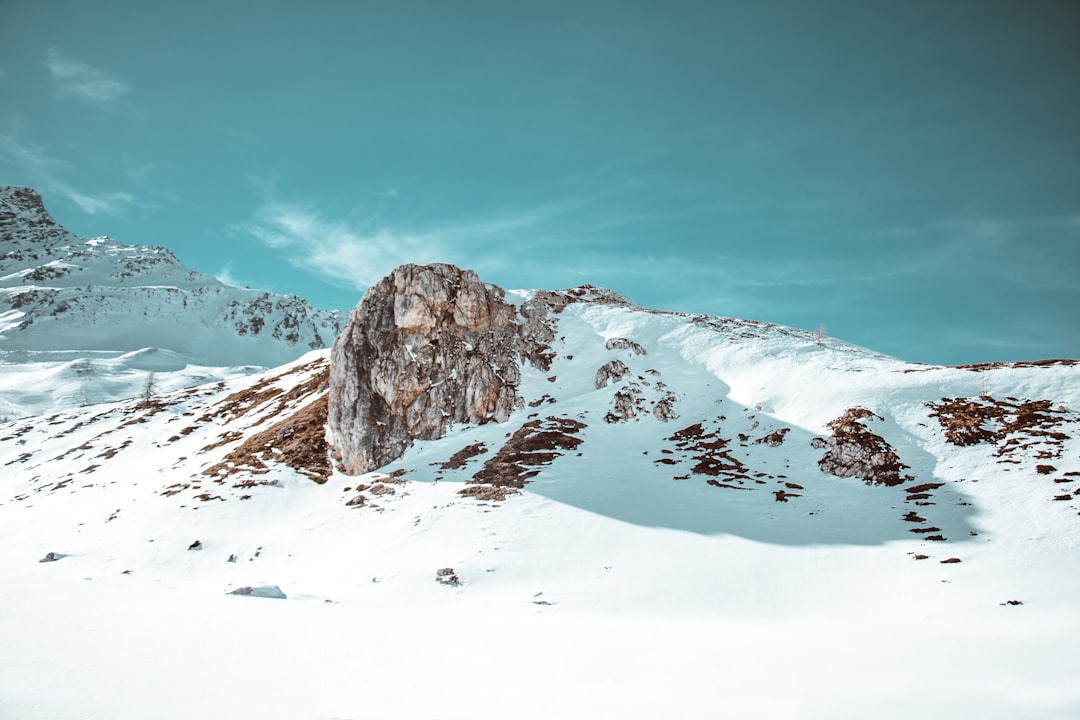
(606,588)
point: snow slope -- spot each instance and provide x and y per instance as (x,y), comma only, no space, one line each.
(679,551)
(66,299)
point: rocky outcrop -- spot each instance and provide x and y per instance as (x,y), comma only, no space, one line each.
(432,346)
(626,404)
(23,213)
(536,444)
(625,344)
(664,408)
(427,347)
(854,451)
(612,372)
(538,326)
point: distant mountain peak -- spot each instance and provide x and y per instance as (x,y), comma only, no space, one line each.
(23,217)
(65,298)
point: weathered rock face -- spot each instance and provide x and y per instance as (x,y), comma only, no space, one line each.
(854,451)
(427,347)
(613,371)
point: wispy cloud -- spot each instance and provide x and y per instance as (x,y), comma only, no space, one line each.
(227,276)
(358,255)
(74,79)
(333,249)
(555,245)
(45,172)
(1039,249)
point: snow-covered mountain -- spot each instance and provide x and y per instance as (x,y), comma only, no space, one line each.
(95,315)
(685,516)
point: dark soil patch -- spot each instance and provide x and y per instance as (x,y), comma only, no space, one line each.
(462,456)
(709,452)
(1010,424)
(490,493)
(980,367)
(298,441)
(925,487)
(535,444)
(773,439)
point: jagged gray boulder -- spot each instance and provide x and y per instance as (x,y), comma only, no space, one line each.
(622,343)
(263,591)
(427,347)
(854,451)
(612,372)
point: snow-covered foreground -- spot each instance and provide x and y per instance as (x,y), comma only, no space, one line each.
(620,582)
(642,621)
(111,649)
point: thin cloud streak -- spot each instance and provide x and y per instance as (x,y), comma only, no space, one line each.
(45,172)
(521,250)
(1006,249)
(334,250)
(360,256)
(227,276)
(74,79)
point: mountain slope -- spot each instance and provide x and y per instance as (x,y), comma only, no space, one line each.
(66,299)
(664,526)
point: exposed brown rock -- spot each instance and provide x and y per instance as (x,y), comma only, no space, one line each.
(854,451)
(1011,424)
(626,404)
(622,343)
(488,493)
(462,456)
(427,347)
(535,444)
(773,439)
(612,372)
(664,409)
(710,450)
(538,326)
(293,436)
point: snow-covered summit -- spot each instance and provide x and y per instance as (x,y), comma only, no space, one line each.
(38,251)
(64,298)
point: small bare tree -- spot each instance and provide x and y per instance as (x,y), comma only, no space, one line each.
(820,334)
(149,388)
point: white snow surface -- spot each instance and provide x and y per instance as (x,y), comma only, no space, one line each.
(605,589)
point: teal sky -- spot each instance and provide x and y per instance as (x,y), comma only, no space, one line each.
(905,173)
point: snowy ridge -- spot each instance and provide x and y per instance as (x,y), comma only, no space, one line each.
(660,530)
(64,298)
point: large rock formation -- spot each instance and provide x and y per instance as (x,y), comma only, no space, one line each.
(427,347)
